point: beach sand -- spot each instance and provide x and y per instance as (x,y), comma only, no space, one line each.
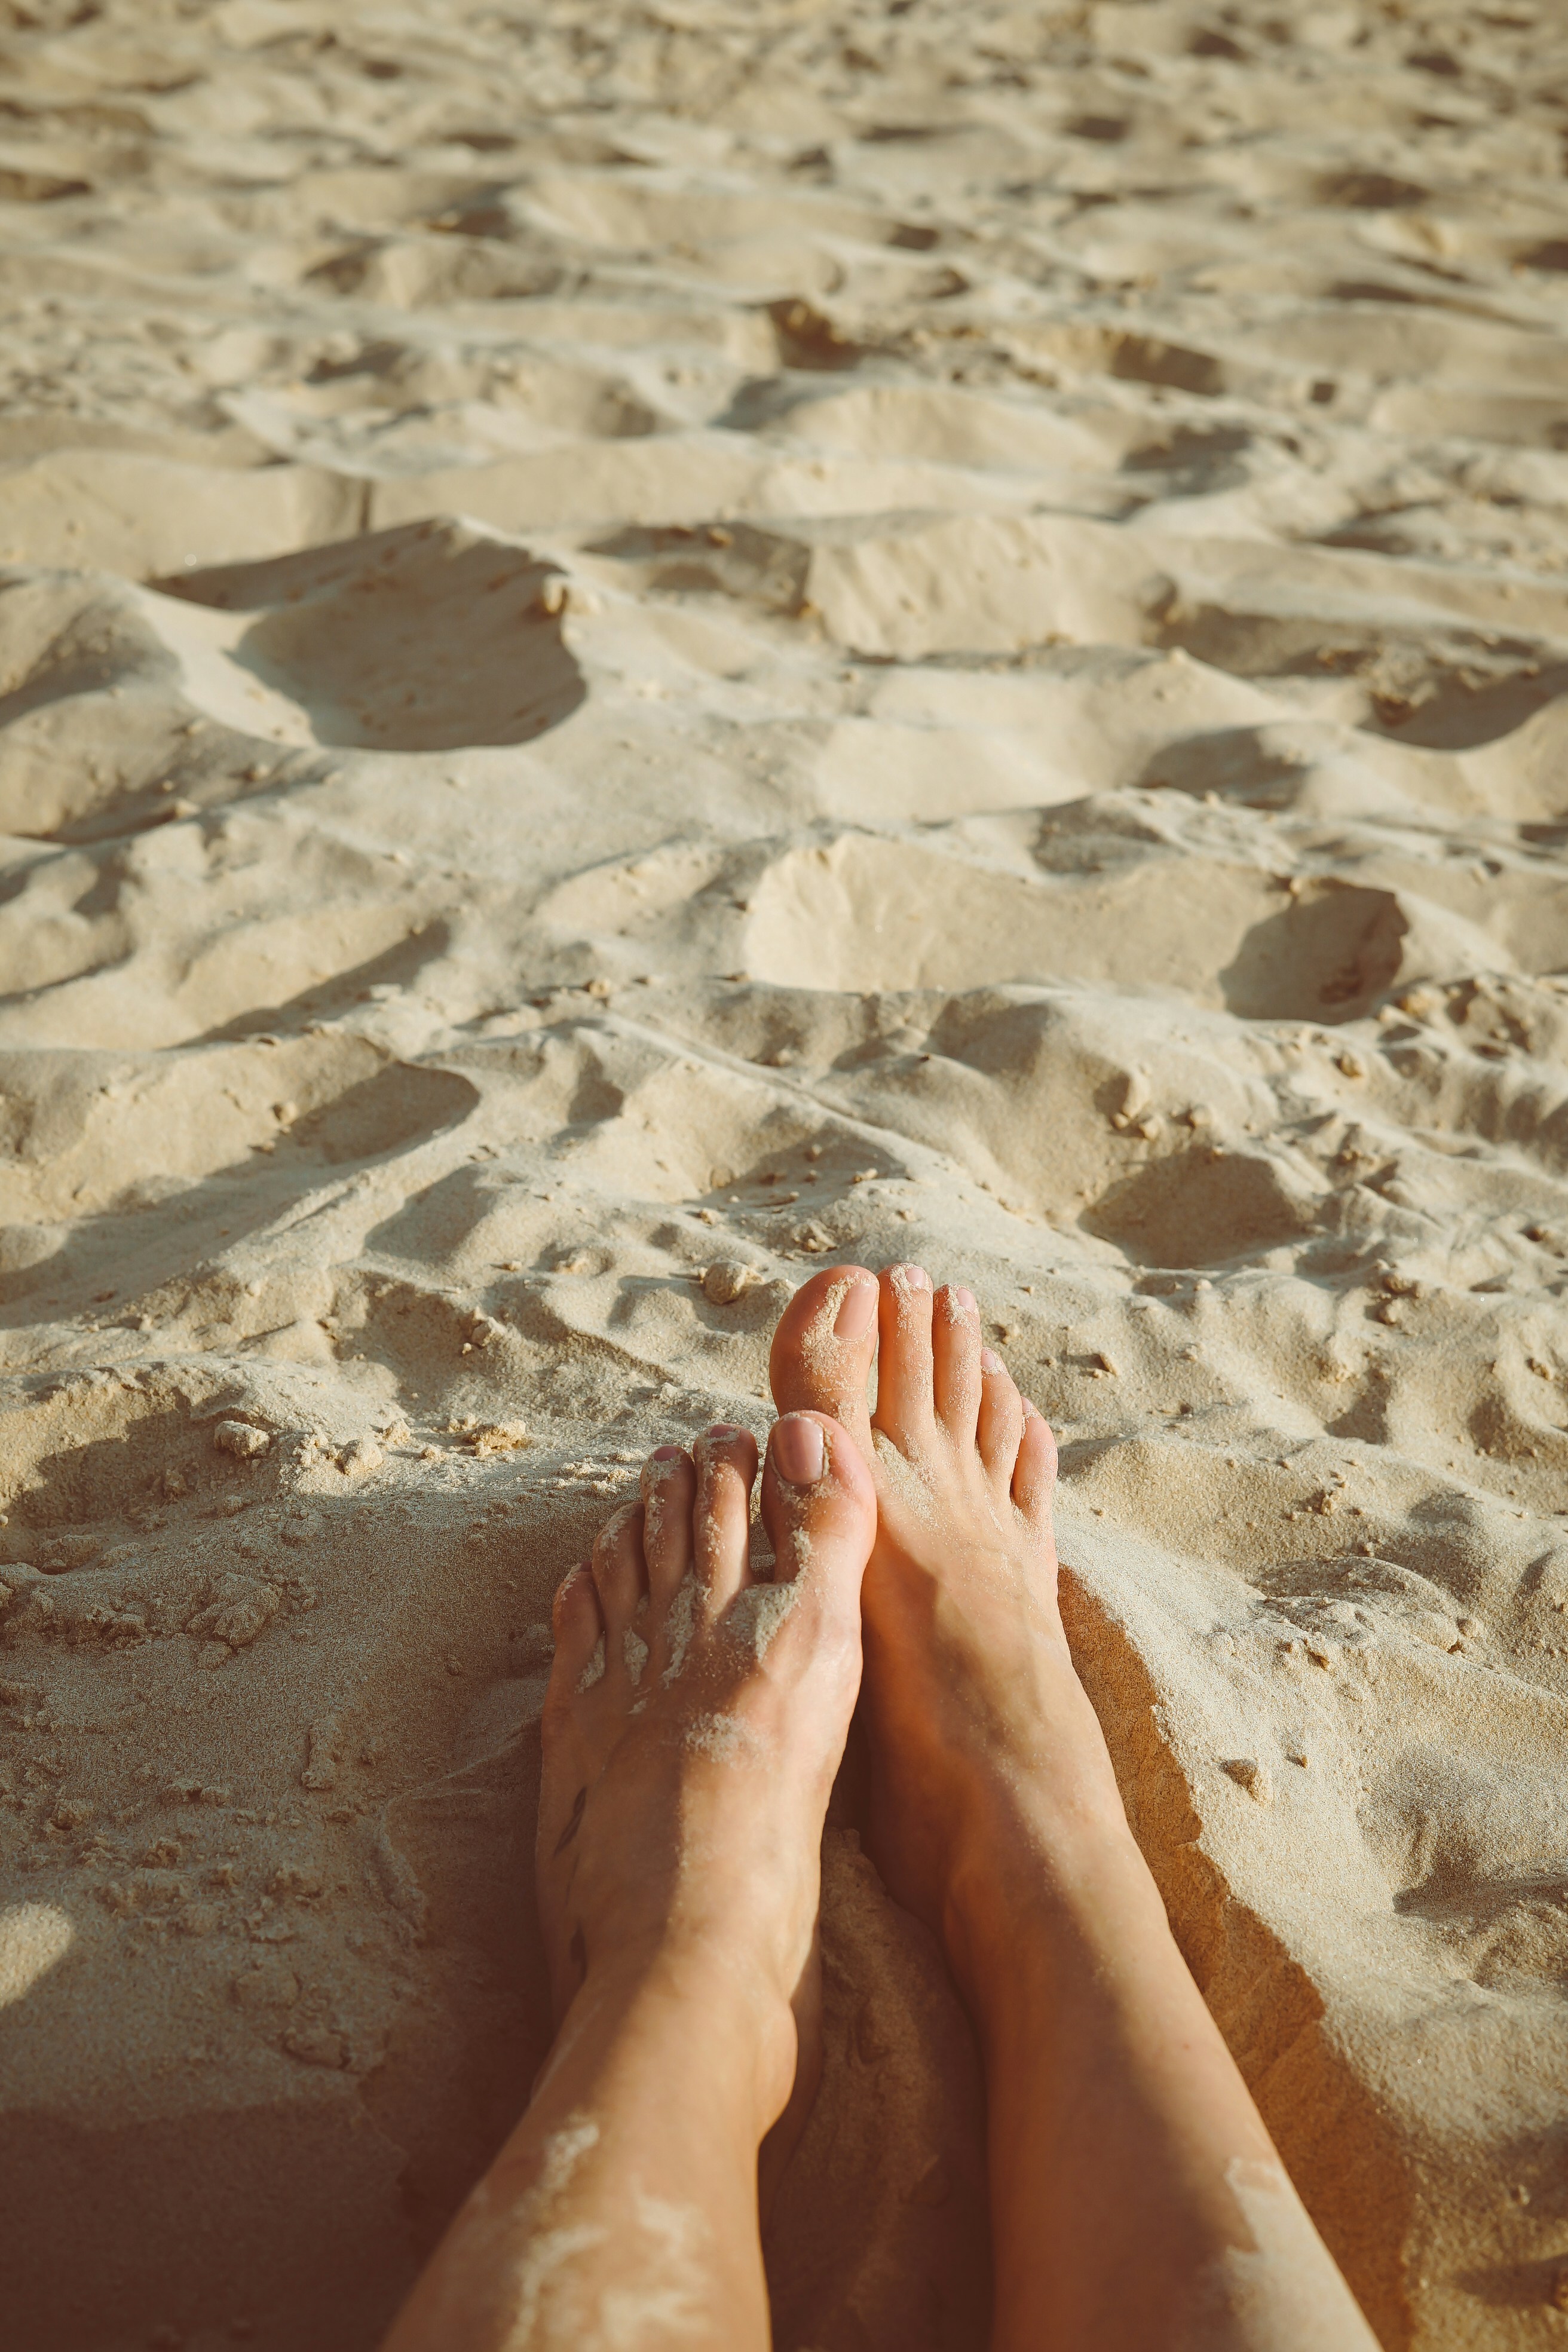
(645,647)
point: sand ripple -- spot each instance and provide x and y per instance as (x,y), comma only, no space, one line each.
(642,641)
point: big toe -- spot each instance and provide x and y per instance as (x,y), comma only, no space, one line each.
(1034,1471)
(819,1507)
(824,1347)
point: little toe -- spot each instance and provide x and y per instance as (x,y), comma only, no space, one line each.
(819,1507)
(721,1520)
(579,1628)
(1034,1471)
(1001,1424)
(823,1349)
(668,1492)
(905,1403)
(620,1573)
(956,1361)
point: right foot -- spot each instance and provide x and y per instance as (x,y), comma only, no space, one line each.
(986,1755)
(1136,2197)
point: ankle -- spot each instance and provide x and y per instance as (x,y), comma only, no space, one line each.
(1048,1875)
(701,2012)
(1038,1810)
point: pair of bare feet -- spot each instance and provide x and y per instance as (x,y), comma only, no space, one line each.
(695,1721)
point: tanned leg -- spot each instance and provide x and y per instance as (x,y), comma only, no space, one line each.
(1138,2201)
(694,1723)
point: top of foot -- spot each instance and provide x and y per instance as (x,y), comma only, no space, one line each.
(980,1727)
(694,1719)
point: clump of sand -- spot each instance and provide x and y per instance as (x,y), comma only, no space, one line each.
(642,649)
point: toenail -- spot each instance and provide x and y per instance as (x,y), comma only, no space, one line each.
(967,1301)
(858,1313)
(912,1277)
(990,1361)
(724,1429)
(797,1450)
(666,1454)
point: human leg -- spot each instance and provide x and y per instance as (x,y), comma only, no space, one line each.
(1138,2201)
(694,1722)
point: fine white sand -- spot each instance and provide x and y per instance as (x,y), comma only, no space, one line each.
(642,646)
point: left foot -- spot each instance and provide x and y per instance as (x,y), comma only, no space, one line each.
(693,1725)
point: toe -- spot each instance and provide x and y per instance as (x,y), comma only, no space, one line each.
(819,1506)
(1001,1424)
(668,1492)
(721,1522)
(1035,1472)
(904,1372)
(579,1627)
(956,1361)
(824,1346)
(619,1572)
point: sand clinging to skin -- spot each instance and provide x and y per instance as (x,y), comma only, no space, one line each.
(640,652)
(593,1671)
(680,1624)
(756,1615)
(820,1345)
(724,1738)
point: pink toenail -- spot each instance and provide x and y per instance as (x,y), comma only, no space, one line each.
(990,1361)
(858,1313)
(724,1429)
(797,1450)
(913,1277)
(967,1301)
(666,1454)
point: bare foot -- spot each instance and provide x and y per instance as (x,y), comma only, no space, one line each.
(977,1717)
(1137,2200)
(694,1723)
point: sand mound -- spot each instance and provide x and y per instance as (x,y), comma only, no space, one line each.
(638,652)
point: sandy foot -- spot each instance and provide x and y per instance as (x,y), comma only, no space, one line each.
(694,1719)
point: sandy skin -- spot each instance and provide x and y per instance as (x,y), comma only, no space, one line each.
(694,1723)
